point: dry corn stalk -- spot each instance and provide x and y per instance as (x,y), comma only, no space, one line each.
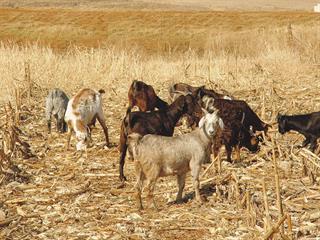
(12,143)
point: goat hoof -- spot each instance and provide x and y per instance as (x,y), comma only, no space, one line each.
(121,185)
(178,201)
(123,178)
(200,200)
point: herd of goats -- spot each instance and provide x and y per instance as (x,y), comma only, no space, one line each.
(147,135)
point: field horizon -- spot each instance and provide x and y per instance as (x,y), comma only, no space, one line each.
(165,5)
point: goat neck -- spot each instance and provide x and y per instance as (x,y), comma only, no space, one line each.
(293,124)
(175,110)
(205,138)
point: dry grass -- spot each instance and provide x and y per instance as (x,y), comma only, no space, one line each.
(153,31)
(70,197)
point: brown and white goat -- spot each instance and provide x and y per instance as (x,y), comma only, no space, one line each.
(144,97)
(82,111)
(159,156)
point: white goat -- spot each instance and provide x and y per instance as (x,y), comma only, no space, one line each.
(82,111)
(56,105)
(157,156)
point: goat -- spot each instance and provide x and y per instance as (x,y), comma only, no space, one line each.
(158,156)
(182,89)
(306,124)
(234,109)
(144,97)
(82,111)
(235,135)
(241,122)
(179,89)
(160,122)
(56,105)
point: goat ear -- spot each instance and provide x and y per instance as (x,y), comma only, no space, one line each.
(199,93)
(251,130)
(201,122)
(243,117)
(221,124)
(279,117)
(204,111)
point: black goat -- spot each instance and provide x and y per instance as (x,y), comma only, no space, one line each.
(306,124)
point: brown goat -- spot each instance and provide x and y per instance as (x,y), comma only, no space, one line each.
(182,89)
(160,122)
(144,97)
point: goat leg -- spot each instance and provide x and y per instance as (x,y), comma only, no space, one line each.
(123,151)
(313,145)
(69,137)
(196,183)
(150,189)
(229,152)
(237,149)
(105,129)
(49,126)
(58,125)
(139,185)
(181,183)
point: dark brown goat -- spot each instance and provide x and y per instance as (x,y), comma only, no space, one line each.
(144,97)
(160,122)
(235,135)
(241,122)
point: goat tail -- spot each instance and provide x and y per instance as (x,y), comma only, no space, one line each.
(101,91)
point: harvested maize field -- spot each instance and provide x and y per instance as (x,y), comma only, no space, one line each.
(48,192)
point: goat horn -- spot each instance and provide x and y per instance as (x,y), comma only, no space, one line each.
(243,116)
(251,130)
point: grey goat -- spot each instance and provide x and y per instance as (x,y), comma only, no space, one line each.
(56,105)
(158,156)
